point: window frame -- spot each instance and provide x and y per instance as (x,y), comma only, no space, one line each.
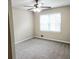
(52,30)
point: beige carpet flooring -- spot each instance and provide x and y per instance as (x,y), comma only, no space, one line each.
(42,49)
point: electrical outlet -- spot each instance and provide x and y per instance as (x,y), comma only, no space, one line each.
(42,36)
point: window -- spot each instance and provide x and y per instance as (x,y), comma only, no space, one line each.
(50,22)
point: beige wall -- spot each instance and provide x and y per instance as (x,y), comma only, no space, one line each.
(64,35)
(23,24)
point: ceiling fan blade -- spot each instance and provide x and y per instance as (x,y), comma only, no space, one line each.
(30,9)
(28,6)
(45,7)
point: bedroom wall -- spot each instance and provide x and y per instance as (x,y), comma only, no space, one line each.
(64,35)
(23,24)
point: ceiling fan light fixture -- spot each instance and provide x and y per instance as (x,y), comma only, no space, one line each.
(36,9)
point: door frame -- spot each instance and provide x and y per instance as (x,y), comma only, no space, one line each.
(11,45)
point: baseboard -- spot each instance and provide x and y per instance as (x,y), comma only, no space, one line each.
(24,39)
(53,40)
(42,38)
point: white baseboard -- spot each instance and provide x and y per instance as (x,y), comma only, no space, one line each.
(53,40)
(30,37)
(42,38)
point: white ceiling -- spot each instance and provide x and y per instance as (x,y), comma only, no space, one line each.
(51,3)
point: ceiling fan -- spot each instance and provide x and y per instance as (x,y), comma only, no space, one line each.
(37,6)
